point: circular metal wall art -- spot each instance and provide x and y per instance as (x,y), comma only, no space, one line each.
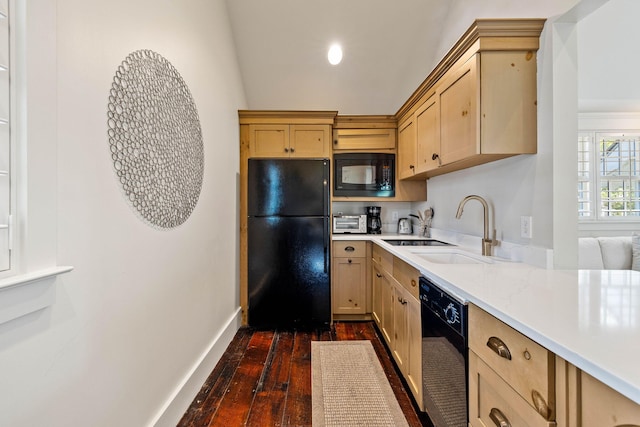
(155,139)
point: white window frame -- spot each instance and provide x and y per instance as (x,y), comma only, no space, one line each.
(29,285)
(592,125)
(6,222)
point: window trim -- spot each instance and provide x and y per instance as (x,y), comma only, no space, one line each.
(604,123)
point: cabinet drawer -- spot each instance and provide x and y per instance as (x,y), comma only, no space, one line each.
(525,365)
(383,258)
(491,400)
(407,276)
(604,407)
(349,249)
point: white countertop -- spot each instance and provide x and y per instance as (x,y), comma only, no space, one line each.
(591,318)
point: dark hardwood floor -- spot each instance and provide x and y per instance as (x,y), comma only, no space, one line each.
(264,379)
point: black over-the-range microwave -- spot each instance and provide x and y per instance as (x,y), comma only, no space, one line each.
(364,175)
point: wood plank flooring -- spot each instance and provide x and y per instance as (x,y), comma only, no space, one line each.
(264,379)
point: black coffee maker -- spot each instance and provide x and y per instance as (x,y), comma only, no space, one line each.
(374,224)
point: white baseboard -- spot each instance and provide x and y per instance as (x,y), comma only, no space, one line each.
(179,401)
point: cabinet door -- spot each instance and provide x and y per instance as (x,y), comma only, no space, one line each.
(407,149)
(269,140)
(400,345)
(508,103)
(605,407)
(376,294)
(428,135)
(459,124)
(387,308)
(310,141)
(414,356)
(349,291)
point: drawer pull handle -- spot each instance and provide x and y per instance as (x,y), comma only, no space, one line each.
(541,405)
(349,249)
(378,275)
(499,347)
(498,417)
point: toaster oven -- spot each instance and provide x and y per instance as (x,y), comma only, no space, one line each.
(350,223)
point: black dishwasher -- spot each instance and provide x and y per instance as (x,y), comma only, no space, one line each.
(444,356)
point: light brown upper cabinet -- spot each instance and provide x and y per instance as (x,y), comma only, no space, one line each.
(407,149)
(427,135)
(285,134)
(364,139)
(478,105)
(282,140)
(364,133)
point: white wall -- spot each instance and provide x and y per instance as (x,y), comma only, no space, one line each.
(142,305)
(608,60)
(608,89)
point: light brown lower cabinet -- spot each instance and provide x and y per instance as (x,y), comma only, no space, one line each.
(350,280)
(511,377)
(396,311)
(349,277)
(601,406)
(492,402)
(514,381)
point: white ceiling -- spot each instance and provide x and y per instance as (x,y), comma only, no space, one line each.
(389,47)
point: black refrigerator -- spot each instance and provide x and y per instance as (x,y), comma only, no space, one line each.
(288,243)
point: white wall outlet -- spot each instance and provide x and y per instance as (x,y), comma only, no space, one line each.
(394,216)
(526,227)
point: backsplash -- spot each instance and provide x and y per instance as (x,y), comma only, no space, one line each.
(389,223)
(532,255)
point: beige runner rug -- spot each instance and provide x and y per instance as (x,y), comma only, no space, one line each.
(350,388)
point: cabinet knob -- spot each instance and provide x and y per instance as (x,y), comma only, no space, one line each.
(286,150)
(292,149)
(335,142)
(412,167)
(413,283)
(498,418)
(378,275)
(499,347)
(349,260)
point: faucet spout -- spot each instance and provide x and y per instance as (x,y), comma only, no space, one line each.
(487,242)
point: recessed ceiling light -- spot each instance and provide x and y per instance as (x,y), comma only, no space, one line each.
(335,54)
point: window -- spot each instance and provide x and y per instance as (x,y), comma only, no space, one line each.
(609,176)
(5,136)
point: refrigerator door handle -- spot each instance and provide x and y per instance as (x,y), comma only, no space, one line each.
(325,191)
(325,234)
